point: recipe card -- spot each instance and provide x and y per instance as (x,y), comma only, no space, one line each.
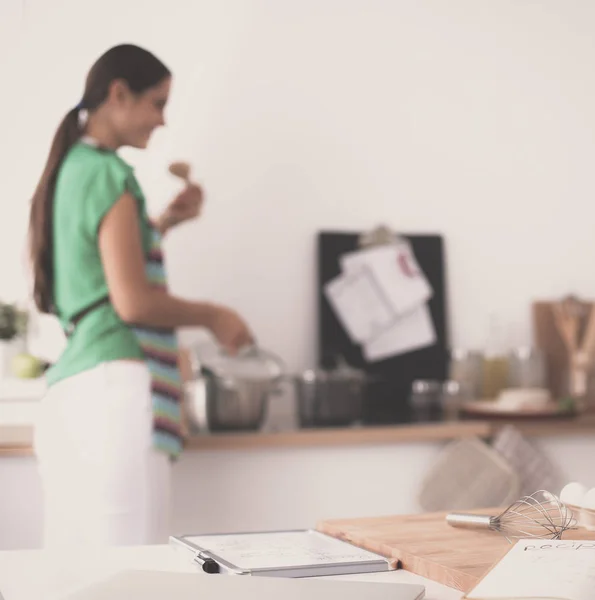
(541,570)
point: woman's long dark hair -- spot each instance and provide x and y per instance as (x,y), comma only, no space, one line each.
(141,71)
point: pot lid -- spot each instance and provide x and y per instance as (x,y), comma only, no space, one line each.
(250,363)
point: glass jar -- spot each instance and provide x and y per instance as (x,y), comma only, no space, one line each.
(454,395)
(466,368)
(426,401)
(526,368)
(495,376)
(495,362)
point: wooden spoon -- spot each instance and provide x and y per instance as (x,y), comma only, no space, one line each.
(181,170)
(567,314)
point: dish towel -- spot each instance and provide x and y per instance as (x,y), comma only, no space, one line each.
(535,470)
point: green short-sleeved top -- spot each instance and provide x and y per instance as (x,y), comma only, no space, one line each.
(89,182)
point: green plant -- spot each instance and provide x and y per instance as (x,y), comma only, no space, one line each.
(13,322)
(567,404)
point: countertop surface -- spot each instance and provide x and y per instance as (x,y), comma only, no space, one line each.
(57,575)
(12,388)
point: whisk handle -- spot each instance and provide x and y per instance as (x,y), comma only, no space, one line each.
(468,521)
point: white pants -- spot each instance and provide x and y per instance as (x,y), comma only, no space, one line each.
(102,481)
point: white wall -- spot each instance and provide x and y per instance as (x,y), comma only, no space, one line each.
(473,118)
(278,488)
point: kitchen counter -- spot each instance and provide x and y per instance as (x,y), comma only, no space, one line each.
(427,545)
(15,440)
(61,574)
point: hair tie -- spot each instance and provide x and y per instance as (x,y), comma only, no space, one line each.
(83,116)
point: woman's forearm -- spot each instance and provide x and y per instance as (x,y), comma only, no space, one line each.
(133,296)
(156,308)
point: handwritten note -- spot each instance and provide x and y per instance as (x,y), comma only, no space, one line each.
(542,570)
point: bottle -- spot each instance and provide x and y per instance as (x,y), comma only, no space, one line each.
(495,366)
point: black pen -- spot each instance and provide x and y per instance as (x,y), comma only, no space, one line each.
(208,564)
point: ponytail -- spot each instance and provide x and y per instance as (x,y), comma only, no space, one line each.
(140,70)
(41,247)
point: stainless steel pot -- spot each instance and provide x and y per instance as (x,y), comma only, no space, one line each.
(231,393)
(330,398)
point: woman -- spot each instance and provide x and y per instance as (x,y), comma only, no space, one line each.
(109,426)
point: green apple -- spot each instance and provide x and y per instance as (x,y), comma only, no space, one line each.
(26,366)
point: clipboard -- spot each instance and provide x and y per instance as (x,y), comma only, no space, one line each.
(291,553)
(387,393)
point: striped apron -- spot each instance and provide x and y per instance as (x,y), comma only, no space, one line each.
(161,353)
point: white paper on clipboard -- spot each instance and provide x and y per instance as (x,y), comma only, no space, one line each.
(360,304)
(300,553)
(396,271)
(411,332)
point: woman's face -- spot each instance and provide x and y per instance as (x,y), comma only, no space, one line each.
(136,116)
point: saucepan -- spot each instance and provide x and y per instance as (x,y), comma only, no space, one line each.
(330,398)
(231,393)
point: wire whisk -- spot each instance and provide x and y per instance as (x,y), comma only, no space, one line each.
(540,515)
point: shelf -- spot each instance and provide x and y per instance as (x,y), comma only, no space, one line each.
(16,440)
(348,436)
(13,389)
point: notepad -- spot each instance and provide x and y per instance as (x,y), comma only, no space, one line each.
(541,570)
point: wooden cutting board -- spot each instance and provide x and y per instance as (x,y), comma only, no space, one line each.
(426,545)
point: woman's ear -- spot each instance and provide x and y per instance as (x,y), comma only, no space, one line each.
(119,92)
